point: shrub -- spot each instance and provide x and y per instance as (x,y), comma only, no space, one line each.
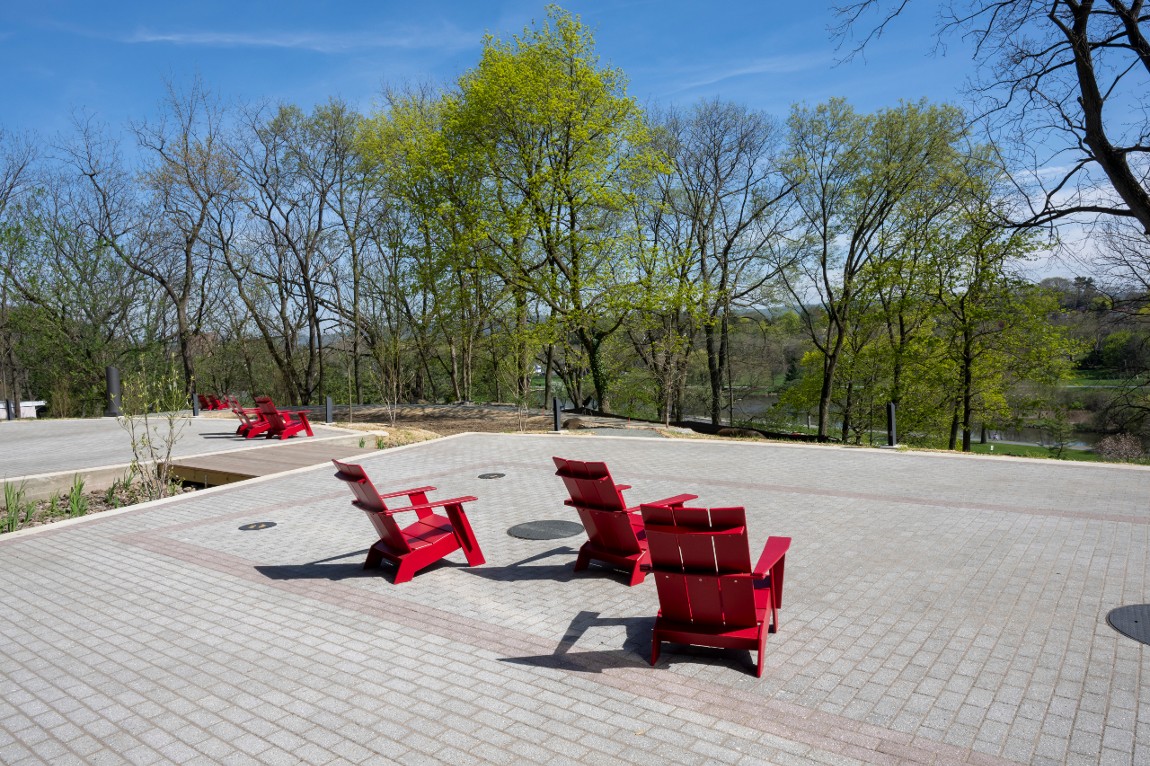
(1123,448)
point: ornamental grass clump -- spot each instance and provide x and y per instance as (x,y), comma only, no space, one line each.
(16,510)
(77,500)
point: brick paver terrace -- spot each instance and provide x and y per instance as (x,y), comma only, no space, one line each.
(938,609)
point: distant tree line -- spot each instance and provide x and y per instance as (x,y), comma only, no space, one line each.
(532,230)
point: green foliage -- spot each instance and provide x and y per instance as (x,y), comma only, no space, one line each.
(155,414)
(566,150)
(15,509)
(533,214)
(77,500)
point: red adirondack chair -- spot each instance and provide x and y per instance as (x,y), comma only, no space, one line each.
(614,531)
(417,545)
(252,422)
(708,593)
(281,423)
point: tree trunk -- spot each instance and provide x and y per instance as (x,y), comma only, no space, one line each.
(967,387)
(547,376)
(714,372)
(847,405)
(954,423)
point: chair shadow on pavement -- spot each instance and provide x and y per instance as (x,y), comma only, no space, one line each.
(633,653)
(329,569)
(520,571)
(565,572)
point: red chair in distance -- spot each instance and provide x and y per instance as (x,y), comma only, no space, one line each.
(252,422)
(418,545)
(708,593)
(281,423)
(614,531)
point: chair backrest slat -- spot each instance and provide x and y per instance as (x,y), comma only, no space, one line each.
(673,601)
(738,593)
(270,413)
(610,529)
(590,484)
(702,564)
(368,500)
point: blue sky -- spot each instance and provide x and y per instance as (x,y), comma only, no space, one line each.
(112,58)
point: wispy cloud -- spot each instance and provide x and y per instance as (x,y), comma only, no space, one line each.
(439,39)
(772,65)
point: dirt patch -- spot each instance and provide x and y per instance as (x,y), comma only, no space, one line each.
(38,512)
(447,419)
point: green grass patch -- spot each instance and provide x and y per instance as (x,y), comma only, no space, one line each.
(1027,450)
(1095,379)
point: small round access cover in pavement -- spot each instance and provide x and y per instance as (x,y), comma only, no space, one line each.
(492,475)
(1131,621)
(257,525)
(548,529)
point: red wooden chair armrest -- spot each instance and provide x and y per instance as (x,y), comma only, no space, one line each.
(622,487)
(773,552)
(389,495)
(672,501)
(436,504)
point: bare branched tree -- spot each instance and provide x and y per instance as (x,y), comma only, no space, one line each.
(1069,79)
(728,192)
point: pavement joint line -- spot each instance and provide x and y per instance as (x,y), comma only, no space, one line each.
(900,499)
(817,729)
(909,452)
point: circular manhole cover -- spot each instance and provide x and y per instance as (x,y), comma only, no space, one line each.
(548,529)
(255,526)
(1131,621)
(492,475)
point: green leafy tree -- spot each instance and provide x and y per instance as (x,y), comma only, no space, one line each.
(565,147)
(852,173)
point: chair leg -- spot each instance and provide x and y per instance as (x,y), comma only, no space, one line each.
(654,647)
(638,574)
(405,571)
(584,558)
(464,535)
(374,558)
(762,651)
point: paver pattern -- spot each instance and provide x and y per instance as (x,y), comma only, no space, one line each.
(938,609)
(30,447)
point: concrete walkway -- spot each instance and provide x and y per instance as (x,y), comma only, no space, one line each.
(938,609)
(32,447)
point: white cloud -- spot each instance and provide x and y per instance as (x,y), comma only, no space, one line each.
(771,65)
(443,38)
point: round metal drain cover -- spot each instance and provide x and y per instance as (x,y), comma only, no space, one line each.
(548,529)
(492,475)
(1131,621)
(255,526)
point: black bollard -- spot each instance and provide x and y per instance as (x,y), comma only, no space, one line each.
(330,412)
(555,412)
(112,378)
(195,405)
(891,435)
